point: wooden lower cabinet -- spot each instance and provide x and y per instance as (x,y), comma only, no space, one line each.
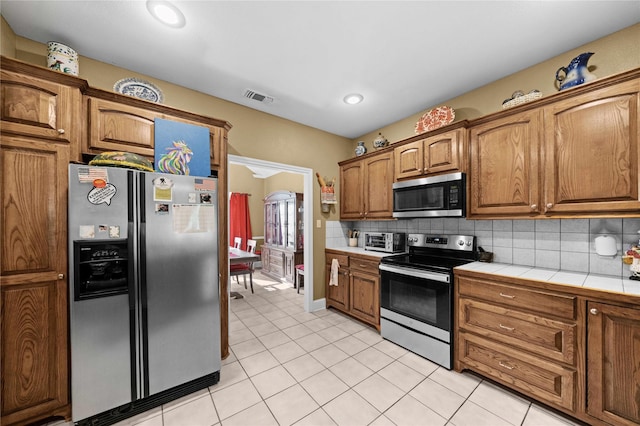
(548,381)
(524,338)
(337,296)
(358,290)
(613,363)
(564,348)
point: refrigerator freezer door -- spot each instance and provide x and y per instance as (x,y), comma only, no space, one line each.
(100,344)
(179,242)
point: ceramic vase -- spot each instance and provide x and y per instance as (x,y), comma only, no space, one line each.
(361,149)
(61,57)
(380,141)
(576,73)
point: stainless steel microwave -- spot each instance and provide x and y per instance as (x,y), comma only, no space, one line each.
(435,196)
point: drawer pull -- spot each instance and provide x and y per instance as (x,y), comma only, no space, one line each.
(61,131)
(507,366)
(508,296)
(593,311)
(504,327)
(363,266)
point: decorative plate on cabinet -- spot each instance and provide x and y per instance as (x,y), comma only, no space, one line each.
(139,89)
(435,118)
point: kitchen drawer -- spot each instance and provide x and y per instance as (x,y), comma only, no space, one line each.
(532,375)
(366,265)
(534,333)
(342,259)
(555,305)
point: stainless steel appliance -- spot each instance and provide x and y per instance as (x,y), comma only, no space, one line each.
(442,195)
(388,242)
(144,312)
(416,294)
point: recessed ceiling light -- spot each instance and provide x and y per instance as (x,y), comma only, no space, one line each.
(166,13)
(354,98)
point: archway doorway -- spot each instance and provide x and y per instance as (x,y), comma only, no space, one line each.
(307,174)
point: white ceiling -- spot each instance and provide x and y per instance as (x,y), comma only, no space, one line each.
(403,56)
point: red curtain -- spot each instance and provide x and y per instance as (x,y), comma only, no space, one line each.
(239,218)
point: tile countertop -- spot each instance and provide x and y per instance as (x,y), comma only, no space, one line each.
(360,250)
(579,279)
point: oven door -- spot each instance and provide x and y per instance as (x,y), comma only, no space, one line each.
(419,295)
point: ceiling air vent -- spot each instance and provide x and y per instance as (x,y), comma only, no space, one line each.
(251,94)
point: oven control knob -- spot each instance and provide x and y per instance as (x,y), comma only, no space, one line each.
(460,243)
(469,243)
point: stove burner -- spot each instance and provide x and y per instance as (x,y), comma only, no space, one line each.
(435,252)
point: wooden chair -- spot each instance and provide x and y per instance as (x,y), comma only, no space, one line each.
(243,269)
(299,279)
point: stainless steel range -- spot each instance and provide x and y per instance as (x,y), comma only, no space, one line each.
(416,294)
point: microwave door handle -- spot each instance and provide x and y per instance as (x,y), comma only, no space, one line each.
(444,278)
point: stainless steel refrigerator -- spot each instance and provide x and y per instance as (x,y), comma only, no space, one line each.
(144,302)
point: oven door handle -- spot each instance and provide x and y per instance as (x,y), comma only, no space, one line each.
(443,278)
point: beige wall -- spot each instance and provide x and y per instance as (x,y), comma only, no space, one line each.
(285,182)
(614,53)
(7,40)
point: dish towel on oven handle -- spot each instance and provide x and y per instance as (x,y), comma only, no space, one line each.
(335,265)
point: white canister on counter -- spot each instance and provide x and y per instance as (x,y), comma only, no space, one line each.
(606,245)
(61,57)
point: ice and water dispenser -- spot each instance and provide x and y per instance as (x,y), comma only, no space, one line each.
(101,268)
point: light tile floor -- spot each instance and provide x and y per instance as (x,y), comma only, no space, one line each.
(288,367)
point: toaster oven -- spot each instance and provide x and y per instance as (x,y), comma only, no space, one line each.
(388,242)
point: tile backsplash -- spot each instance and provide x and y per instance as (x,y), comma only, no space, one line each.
(566,244)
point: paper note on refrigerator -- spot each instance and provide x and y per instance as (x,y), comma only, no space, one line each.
(189,218)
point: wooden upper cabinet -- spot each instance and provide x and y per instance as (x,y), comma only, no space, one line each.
(39,107)
(378,179)
(114,126)
(217,140)
(365,187)
(121,123)
(409,160)
(351,195)
(505,166)
(433,155)
(577,155)
(592,153)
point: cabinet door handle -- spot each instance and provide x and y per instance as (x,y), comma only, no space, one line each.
(507,366)
(61,131)
(504,327)
(534,206)
(549,205)
(508,296)
(61,276)
(593,311)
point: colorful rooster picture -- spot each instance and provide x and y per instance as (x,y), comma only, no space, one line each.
(176,161)
(181,148)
